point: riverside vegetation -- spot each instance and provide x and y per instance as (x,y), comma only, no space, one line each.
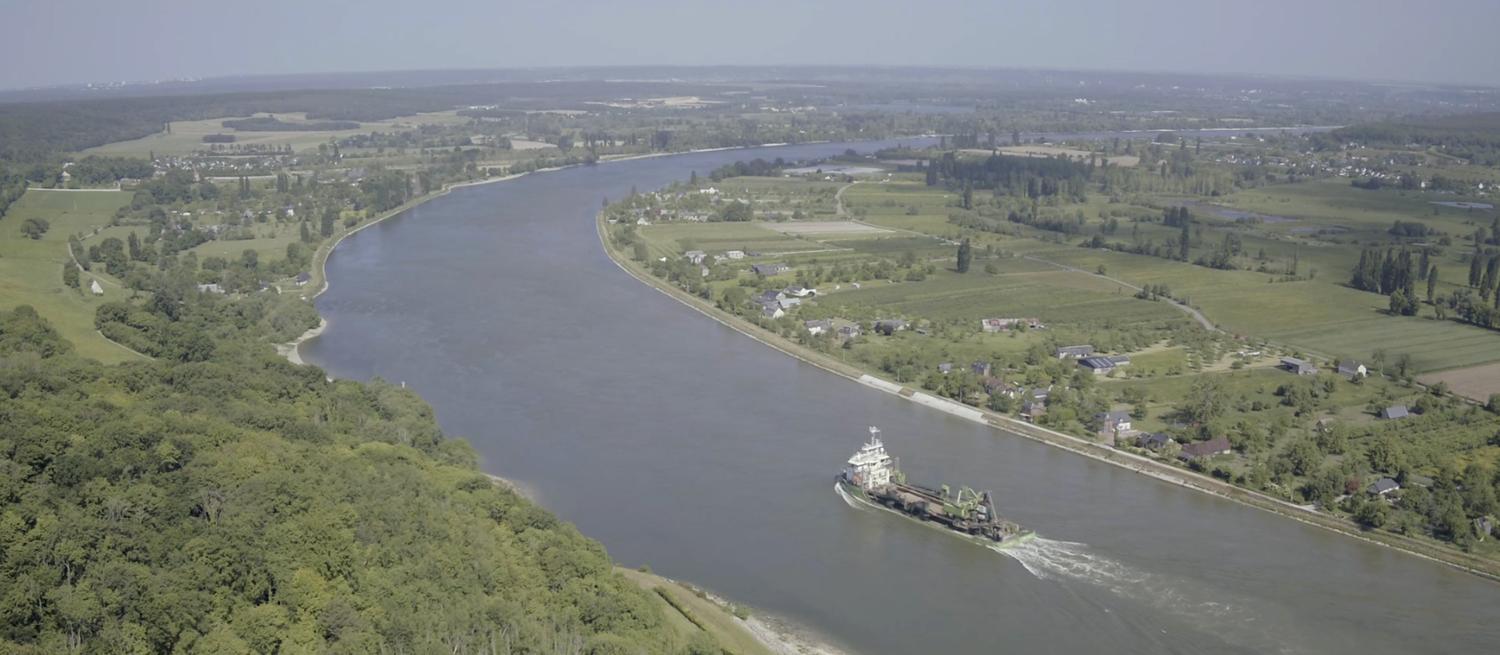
(910,250)
(169,485)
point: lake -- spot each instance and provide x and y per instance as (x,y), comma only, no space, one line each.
(684,445)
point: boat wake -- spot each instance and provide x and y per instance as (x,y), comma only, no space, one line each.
(1049,559)
(847,498)
(1068,560)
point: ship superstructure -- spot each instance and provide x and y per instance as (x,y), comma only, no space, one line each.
(872,476)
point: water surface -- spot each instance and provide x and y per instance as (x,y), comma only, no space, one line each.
(684,445)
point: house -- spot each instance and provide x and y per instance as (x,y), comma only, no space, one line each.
(788,303)
(1353,370)
(1119,360)
(997,386)
(1097,365)
(1031,410)
(945,368)
(1205,449)
(817,327)
(1298,366)
(1117,420)
(770,295)
(767,270)
(1041,393)
(95,288)
(890,326)
(695,256)
(800,291)
(1383,487)
(1153,441)
(981,369)
(772,311)
(303,278)
(210,288)
(1074,352)
(734,254)
(1394,412)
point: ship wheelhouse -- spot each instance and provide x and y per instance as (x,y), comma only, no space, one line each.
(870,467)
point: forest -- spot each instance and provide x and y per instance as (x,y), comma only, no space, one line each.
(227,501)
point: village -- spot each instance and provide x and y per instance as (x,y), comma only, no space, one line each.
(856,260)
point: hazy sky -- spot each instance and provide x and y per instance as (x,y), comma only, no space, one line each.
(65,41)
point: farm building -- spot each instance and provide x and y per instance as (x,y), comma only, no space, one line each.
(1353,369)
(1097,365)
(1298,366)
(1074,352)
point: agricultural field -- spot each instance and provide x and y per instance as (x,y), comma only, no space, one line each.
(31,270)
(186,137)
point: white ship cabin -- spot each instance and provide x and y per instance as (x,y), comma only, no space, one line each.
(870,467)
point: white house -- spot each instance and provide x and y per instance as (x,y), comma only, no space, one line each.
(94,287)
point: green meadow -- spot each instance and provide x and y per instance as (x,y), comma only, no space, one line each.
(31,270)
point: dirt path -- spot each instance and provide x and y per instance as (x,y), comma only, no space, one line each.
(838,199)
(1197,315)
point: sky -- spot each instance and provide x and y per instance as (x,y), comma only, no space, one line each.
(49,42)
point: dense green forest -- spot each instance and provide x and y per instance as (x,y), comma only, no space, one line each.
(239,504)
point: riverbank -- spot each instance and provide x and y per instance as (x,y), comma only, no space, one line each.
(1151,467)
(319,268)
(691,609)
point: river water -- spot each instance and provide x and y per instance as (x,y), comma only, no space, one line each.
(684,445)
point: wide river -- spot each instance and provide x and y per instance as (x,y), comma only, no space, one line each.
(684,445)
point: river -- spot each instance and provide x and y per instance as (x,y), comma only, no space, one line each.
(684,445)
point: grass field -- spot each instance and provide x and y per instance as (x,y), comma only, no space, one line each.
(687,611)
(1474,382)
(31,271)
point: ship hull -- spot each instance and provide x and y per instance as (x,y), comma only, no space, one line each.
(860,496)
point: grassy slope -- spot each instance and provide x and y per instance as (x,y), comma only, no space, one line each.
(727,629)
(31,271)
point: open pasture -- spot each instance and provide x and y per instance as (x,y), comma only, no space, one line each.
(31,270)
(830,228)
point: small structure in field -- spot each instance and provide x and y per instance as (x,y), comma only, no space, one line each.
(1383,487)
(1352,369)
(1394,412)
(1298,366)
(1199,450)
(819,326)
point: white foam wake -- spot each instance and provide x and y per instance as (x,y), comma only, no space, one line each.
(1183,598)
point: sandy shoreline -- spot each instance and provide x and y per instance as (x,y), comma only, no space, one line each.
(1140,464)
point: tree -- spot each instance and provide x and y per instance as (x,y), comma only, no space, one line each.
(1184,241)
(1371,513)
(1432,282)
(330,216)
(70,275)
(965,254)
(34,228)
(1205,401)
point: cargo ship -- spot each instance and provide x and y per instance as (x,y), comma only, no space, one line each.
(872,477)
